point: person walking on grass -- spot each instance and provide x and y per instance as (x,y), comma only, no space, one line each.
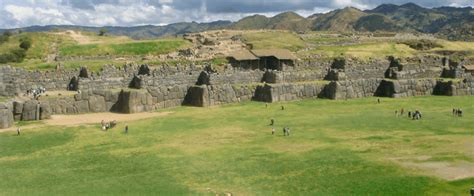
(18,130)
(273,130)
(126,129)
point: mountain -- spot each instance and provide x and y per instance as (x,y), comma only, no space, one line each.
(338,20)
(448,22)
(286,21)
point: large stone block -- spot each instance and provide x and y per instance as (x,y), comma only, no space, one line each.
(30,110)
(45,111)
(97,104)
(6,118)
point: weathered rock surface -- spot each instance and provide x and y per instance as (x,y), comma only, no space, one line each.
(6,115)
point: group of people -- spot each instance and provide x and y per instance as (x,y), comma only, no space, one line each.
(416,115)
(35,92)
(286,130)
(110,125)
(402,111)
(457,112)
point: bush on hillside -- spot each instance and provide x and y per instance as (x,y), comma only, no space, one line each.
(25,44)
(423,44)
(16,55)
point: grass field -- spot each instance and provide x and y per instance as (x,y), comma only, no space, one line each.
(274,39)
(354,147)
(154,47)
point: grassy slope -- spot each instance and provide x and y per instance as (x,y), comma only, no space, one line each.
(154,47)
(40,43)
(274,39)
(336,147)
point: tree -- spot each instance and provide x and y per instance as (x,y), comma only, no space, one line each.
(25,44)
(102,31)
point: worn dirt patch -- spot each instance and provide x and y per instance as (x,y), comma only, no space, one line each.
(66,120)
(455,170)
(445,170)
(78,37)
(92,118)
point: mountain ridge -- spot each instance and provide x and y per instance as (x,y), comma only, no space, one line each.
(454,23)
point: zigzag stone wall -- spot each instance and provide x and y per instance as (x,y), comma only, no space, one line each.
(170,86)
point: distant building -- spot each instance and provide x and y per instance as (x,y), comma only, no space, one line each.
(274,59)
(244,59)
(469,69)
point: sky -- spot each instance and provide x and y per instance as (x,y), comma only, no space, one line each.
(21,13)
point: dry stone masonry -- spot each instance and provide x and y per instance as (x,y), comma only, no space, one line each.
(140,88)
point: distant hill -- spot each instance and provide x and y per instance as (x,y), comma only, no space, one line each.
(137,32)
(285,21)
(448,22)
(338,20)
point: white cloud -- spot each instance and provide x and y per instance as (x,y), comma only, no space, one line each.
(19,13)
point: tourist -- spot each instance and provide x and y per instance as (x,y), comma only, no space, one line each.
(409,114)
(459,112)
(396,113)
(126,129)
(18,130)
(401,112)
(455,112)
(272,122)
(266,105)
(378,100)
(288,131)
(273,130)
(282,107)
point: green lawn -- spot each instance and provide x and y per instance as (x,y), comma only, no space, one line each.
(273,39)
(160,46)
(353,147)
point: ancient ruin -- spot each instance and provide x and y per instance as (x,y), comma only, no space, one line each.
(139,88)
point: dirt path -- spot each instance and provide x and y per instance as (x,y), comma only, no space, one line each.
(93,118)
(78,37)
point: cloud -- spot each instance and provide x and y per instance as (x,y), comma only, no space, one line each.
(20,13)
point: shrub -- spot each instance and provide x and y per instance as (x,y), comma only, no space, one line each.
(25,44)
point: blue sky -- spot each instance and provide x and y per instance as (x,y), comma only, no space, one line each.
(20,13)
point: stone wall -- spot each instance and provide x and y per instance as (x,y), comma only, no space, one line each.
(351,88)
(406,88)
(454,88)
(170,86)
(209,95)
(288,91)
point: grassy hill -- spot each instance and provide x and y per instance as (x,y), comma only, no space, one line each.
(342,20)
(284,21)
(63,44)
